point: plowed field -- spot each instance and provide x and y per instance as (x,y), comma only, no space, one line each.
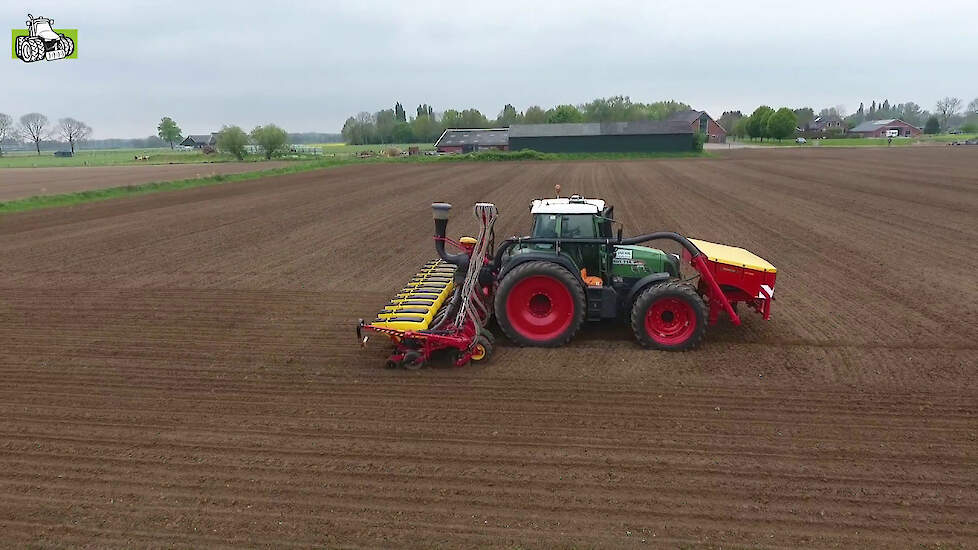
(180,369)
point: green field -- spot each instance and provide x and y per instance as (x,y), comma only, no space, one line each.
(109,157)
(123,157)
(947,138)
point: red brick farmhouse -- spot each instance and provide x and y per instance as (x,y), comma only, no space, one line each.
(882,128)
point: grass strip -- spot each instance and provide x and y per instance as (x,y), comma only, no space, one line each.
(80,197)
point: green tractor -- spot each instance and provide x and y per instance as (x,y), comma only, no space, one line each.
(573,267)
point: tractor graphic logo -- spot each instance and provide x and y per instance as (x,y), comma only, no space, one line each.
(41,41)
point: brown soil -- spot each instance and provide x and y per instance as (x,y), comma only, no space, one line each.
(19,183)
(179,369)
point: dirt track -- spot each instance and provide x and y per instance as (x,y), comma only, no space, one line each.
(19,183)
(180,369)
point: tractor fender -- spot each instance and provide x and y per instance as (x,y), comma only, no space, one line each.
(540,257)
(643,283)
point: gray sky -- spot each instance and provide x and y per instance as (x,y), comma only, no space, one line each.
(308,65)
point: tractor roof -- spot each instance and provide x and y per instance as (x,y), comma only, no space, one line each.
(573,205)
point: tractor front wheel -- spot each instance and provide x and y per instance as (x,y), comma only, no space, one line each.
(540,304)
(669,316)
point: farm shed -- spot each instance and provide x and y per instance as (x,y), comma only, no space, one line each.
(701,121)
(199,141)
(602,137)
(457,140)
(879,128)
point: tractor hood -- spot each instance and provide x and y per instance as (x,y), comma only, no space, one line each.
(632,261)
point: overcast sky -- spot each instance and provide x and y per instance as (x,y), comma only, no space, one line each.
(308,65)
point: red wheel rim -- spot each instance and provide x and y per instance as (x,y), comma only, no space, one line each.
(670,321)
(539,308)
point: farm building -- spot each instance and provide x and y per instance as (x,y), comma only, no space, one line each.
(824,125)
(883,128)
(199,141)
(701,121)
(456,140)
(603,137)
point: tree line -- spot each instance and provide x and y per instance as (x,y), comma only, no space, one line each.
(948,114)
(270,139)
(36,128)
(426,125)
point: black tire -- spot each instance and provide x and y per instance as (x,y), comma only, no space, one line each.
(32,49)
(565,309)
(669,316)
(66,44)
(413,360)
(485,346)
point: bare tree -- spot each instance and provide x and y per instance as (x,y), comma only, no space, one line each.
(948,107)
(73,131)
(973,107)
(7,129)
(32,127)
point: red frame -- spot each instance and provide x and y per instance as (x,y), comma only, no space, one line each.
(728,284)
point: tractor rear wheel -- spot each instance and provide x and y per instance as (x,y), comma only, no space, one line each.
(540,304)
(669,316)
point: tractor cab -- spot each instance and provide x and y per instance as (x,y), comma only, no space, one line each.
(590,221)
(566,219)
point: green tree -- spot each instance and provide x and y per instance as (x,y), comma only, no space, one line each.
(782,123)
(472,118)
(659,110)
(911,113)
(933,125)
(564,113)
(728,120)
(232,140)
(399,114)
(270,138)
(384,122)
(534,115)
(402,133)
(425,128)
(805,115)
(451,119)
(740,127)
(757,124)
(168,131)
(507,116)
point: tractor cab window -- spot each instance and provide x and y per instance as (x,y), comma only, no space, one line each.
(545,226)
(577,226)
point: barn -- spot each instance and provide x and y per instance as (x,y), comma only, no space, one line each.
(458,140)
(199,141)
(702,122)
(603,137)
(882,128)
